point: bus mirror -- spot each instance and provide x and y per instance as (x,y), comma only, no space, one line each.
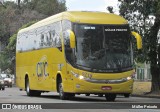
(72,39)
(139,40)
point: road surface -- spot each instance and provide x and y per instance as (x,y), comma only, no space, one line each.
(13,95)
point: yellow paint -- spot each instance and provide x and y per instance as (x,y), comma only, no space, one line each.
(26,62)
(72,39)
(80,17)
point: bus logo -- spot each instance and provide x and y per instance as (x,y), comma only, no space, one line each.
(42,68)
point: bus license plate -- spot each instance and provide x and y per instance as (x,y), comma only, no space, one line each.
(106,88)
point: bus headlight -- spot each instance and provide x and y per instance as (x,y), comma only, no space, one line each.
(81,77)
(131,77)
(77,75)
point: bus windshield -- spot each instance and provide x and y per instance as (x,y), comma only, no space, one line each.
(103,48)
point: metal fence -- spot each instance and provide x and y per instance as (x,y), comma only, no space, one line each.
(143,74)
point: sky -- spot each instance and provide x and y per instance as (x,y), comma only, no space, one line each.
(91,5)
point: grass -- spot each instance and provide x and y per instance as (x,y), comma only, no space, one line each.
(141,87)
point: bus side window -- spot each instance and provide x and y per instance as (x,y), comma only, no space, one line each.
(69,52)
(42,40)
(53,38)
(50,39)
(66,26)
(57,27)
(18,44)
(46,40)
(66,39)
(58,42)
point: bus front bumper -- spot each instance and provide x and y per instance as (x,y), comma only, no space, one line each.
(88,87)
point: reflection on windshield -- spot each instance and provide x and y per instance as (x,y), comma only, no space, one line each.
(103,47)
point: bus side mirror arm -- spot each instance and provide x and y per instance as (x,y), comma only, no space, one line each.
(139,40)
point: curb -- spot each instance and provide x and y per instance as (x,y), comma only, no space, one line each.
(145,96)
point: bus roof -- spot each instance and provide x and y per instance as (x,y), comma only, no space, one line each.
(80,17)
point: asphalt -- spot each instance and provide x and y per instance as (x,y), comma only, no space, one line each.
(137,95)
(146,95)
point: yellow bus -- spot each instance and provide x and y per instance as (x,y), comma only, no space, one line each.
(76,52)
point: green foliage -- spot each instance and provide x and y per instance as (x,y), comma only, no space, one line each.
(47,7)
(12,40)
(14,16)
(4,33)
(138,13)
(11,45)
(9,53)
(4,62)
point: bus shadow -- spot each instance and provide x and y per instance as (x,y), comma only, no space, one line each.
(84,98)
(76,98)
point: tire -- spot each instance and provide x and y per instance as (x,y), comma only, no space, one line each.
(126,95)
(3,88)
(29,91)
(70,96)
(100,95)
(62,94)
(110,97)
(27,88)
(87,94)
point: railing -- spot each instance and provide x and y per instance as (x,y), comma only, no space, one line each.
(143,74)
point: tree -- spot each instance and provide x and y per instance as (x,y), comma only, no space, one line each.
(18,2)
(13,17)
(154,52)
(47,7)
(138,13)
(9,53)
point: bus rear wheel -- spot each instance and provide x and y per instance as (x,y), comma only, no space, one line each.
(29,91)
(110,97)
(2,88)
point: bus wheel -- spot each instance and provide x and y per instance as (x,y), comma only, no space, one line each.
(110,97)
(87,94)
(126,95)
(29,91)
(3,88)
(27,88)
(62,94)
